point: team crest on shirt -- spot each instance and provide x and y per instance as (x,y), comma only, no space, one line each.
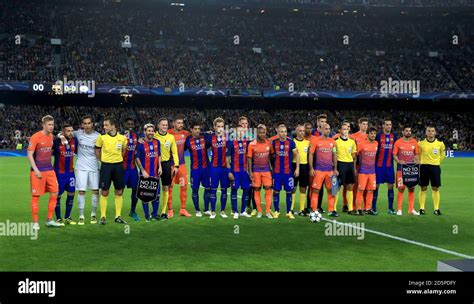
(240,145)
(267,148)
(282,147)
(413,147)
(167,144)
(151,147)
(182,135)
(435,151)
(119,146)
(330,145)
(131,140)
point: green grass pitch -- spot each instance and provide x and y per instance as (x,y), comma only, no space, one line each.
(202,244)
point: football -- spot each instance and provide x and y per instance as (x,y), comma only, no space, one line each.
(315,217)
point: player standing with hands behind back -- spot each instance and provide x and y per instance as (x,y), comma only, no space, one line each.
(169,151)
(431,155)
(110,149)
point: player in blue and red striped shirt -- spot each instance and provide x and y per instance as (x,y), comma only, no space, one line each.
(218,171)
(64,168)
(285,151)
(148,160)
(129,168)
(238,172)
(197,146)
(384,168)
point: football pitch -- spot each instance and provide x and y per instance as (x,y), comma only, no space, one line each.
(389,243)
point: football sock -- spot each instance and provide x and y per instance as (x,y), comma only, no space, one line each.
(155,206)
(350,198)
(170,198)
(268,200)
(233,199)
(368,200)
(195,197)
(95,200)
(411,201)
(435,196)
(134,201)
(399,200)
(245,198)
(344,196)
(258,199)
(289,201)
(293,195)
(69,203)
(302,201)
(183,195)
(57,210)
(314,201)
(118,205)
(223,198)
(390,199)
(35,207)
(207,198)
(359,198)
(165,201)
(146,209)
(422,199)
(276,200)
(53,198)
(81,201)
(103,206)
(336,199)
(213,198)
(374,200)
(330,201)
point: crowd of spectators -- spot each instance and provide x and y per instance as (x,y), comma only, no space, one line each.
(222,46)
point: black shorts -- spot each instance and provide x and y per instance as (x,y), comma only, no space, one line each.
(303,179)
(430,174)
(346,173)
(166,175)
(111,173)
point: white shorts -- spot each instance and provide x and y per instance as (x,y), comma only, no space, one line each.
(87,180)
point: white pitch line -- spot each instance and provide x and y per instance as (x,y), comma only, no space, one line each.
(396,238)
(403,239)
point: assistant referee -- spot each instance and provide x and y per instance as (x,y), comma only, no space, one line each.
(346,150)
(110,148)
(431,155)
